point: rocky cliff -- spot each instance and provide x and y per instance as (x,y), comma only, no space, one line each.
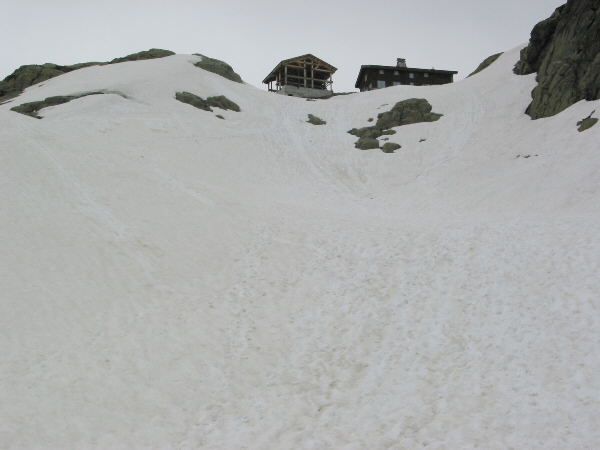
(564,50)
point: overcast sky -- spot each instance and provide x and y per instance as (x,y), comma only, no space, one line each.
(253,36)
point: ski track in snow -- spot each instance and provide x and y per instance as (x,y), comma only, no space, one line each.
(172,280)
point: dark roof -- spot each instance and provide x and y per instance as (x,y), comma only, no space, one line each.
(401,69)
(271,75)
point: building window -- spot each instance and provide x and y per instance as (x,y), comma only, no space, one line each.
(426,75)
(381,72)
(380,84)
(411,76)
(396,83)
(412,84)
(396,72)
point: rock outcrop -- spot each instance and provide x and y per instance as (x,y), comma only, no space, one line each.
(485,63)
(390,147)
(366,143)
(218,67)
(587,123)
(219,101)
(413,110)
(29,75)
(32,108)
(153,53)
(564,50)
(314,120)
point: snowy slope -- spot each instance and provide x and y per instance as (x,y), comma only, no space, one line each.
(173,280)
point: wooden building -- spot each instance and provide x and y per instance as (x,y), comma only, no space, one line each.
(303,76)
(377,77)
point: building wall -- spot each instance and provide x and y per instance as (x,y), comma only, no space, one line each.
(303,92)
(294,72)
(370,78)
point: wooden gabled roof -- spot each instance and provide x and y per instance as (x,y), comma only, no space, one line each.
(319,65)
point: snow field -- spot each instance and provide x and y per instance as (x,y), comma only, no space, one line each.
(172,280)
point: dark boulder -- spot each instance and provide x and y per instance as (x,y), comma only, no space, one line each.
(587,123)
(314,120)
(366,132)
(564,50)
(366,143)
(406,112)
(390,147)
(413,110)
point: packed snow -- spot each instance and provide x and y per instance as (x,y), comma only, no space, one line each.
(173,280)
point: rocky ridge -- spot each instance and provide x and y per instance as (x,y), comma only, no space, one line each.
(31,74)
(564,50)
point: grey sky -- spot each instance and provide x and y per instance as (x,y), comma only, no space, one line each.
(253,36)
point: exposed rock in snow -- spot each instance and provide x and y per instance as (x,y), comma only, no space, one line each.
(29,75)
(32,108)
(314,120)
(366,143)
(587,123)
(485,64)
(218,67)
(390,147)
(194,100)
(153,53)
(405,112)
(564,50)
(218,101)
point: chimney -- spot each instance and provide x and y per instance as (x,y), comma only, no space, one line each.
(400,62)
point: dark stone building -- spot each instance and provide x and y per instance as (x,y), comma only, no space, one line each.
(377,77)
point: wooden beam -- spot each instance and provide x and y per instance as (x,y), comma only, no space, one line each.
(304,76)
(298,77)
(316,68)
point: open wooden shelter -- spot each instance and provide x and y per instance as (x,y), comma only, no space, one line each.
(306,71)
